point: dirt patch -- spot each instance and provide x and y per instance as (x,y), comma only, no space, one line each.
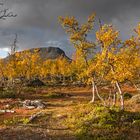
(48,126)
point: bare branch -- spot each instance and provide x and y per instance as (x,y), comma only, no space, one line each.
(100,23)
(14,45)
(5,13)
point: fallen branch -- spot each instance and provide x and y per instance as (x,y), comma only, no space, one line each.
(7,111)
(34,116)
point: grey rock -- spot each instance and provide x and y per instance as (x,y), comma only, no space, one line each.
(33,104)
(135,99)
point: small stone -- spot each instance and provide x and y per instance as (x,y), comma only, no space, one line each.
(30,107)
(33,104)
(48,130)
(7,106)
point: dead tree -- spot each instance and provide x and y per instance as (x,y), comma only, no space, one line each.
(14,46)
(5,12)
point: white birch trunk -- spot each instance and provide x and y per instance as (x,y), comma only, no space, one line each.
(121,96)
(93,92)
(97,92)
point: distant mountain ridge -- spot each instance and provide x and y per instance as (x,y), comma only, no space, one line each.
(47,53)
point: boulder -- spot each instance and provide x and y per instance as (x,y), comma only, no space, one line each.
(35,83)
(135,99)
(33,104)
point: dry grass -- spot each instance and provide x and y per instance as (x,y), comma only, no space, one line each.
(50,124)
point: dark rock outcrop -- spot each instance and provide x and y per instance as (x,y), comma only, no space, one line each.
(51,53)
(46,53)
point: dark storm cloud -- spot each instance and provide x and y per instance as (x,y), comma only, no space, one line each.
(37,20)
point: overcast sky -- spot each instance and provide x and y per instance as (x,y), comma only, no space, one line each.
(37,21)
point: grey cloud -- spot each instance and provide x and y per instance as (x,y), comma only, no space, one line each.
(37,20)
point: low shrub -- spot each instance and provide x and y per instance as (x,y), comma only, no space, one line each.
(8,94)
(29,89)
(127,95)
(98,122)
(11,121)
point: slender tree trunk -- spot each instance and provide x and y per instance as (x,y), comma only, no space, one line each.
(114,99)
(109,98)
(114,96)
(71,79)
(97,92)
(120,91)
(52,80)
(121,96)
(60,78)
(64,79)
(93,92)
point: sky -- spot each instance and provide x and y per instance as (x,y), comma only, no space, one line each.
(37,23)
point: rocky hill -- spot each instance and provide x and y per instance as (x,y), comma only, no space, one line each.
(48,53)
